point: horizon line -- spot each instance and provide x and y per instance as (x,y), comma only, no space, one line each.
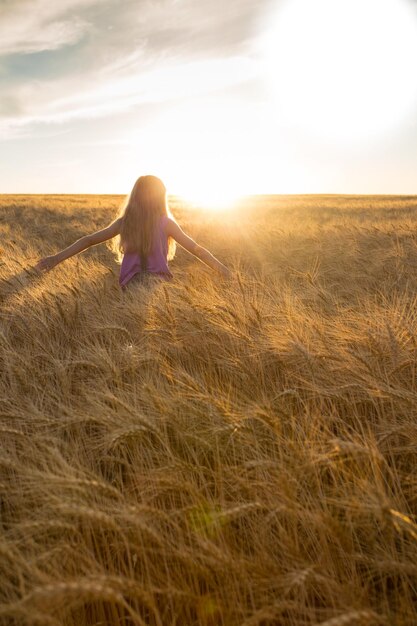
(237,198)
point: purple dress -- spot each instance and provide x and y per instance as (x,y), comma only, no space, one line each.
(156,263)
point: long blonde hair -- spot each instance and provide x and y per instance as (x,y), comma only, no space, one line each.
(141,213)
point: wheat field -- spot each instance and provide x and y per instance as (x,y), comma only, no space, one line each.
(210,452)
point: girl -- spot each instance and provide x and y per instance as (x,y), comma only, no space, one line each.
(146,236)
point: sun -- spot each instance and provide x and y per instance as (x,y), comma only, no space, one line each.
(200,192)
(342,70)
(211,199)
(203,152)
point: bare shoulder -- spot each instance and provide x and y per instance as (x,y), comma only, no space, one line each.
(175,231)
(117,224)
(171,227)
(113,229)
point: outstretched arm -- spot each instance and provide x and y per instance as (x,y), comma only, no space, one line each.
(174,231)
(111,231)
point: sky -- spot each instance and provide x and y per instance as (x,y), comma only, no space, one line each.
(219,98)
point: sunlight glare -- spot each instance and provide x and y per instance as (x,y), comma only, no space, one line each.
(343,70)
(212,200)
(203,142)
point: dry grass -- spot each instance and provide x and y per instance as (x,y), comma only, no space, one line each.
(203,453)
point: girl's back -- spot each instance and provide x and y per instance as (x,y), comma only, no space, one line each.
(156,261)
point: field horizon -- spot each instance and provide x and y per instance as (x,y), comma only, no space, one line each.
(183,198)
(208,452)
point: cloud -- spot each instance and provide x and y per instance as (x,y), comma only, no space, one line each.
(127,54)
(28,26)
(183,26)
(168,83)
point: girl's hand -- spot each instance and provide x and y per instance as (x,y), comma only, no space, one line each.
(46,263)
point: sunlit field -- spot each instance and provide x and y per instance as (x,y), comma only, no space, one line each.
(208,452)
